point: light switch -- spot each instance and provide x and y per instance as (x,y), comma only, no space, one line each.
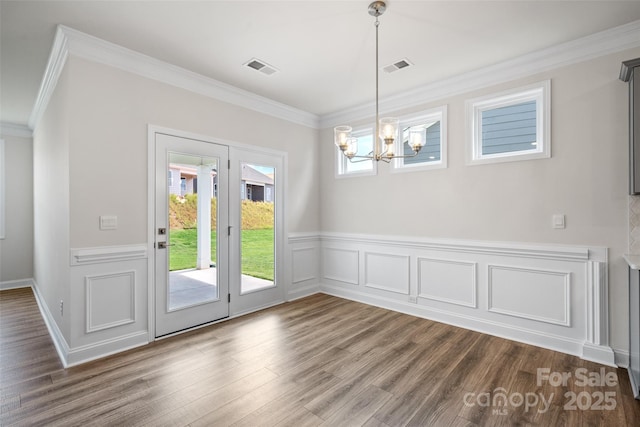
(558,221)
(108,222)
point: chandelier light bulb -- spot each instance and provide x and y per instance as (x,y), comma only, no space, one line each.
(389,129)
(351,147)
(342,135)
(417,138)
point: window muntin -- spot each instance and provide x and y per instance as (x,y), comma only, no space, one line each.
(509,126)
(345,167)
(434,153)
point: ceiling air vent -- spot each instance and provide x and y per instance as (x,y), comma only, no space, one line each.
(399,65)
(261,66)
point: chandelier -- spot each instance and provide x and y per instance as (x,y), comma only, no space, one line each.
(386,128)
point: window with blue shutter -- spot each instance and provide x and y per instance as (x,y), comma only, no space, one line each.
(433,154)
(509,126)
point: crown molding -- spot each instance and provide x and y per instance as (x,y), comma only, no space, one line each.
(593,46)
(73,42)
(69,41)
(57,59)
(15,129)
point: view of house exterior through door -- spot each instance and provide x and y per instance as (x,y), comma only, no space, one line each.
(191,274)
(217,216)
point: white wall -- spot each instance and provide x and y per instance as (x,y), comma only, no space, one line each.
(585,179)
(110,111)
(51,207)
(16,249)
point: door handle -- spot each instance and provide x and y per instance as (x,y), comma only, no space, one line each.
(163,245)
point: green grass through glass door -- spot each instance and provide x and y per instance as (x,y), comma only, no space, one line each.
(257,254)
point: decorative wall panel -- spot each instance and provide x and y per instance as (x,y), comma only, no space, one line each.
(110,300)
(531,294)
(447,281)
(387,272)
(341,265)
(304,263)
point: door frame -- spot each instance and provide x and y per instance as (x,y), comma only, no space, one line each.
(283,232)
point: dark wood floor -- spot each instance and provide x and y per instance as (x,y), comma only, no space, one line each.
(319,360)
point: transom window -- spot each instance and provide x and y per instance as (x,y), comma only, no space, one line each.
(434,153)
(509,126)
(345,167)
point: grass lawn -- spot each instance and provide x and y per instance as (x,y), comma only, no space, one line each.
(257,251)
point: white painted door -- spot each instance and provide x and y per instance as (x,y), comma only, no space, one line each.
(191,233)
(256,202)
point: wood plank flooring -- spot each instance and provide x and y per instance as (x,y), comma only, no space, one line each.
(320,360)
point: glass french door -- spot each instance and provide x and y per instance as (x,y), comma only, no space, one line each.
(218,232)
(191,233)
(256,245)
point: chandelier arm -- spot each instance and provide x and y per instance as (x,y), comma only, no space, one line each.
(407,156)
(360,159)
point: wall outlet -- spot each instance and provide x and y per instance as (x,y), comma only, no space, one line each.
(413,299)
(61,308)
(108,222)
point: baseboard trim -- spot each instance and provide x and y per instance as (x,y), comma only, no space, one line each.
(621,358)
(76,356)
(16,284)
(61,345)
(302,291)
(99,350)
(634,386)
(599,354)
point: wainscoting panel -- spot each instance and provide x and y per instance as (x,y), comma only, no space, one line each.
(341,265)
(111,300)
(302,261)
(108,306)
(531,294)
(387,272)
(448,281)
(304,266)
(551,296)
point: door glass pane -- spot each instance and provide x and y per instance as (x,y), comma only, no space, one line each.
(192,230)
(257,230)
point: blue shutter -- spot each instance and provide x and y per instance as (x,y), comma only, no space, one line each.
(509,129)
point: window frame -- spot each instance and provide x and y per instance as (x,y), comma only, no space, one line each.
(433,114)
(341,159)
(540,93)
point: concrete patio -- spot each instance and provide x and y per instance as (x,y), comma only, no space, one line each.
(193,286)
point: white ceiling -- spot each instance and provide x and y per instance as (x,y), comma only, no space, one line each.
(324,50)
